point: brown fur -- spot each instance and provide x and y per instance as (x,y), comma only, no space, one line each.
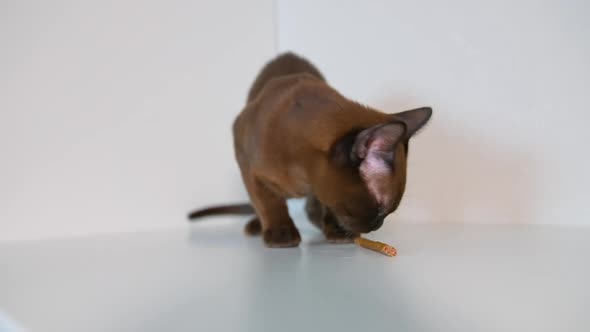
(298,137)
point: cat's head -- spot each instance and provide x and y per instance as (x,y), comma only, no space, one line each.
(368,176)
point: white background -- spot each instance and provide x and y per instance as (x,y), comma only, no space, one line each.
(509,82)
(115,115)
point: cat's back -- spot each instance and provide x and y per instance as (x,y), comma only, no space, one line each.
(268,119)
(283,65)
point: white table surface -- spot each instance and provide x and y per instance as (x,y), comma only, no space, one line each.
(210,277)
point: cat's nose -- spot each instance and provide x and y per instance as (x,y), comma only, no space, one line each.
(377,222)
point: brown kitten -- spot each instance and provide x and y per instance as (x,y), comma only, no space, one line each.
(298,137)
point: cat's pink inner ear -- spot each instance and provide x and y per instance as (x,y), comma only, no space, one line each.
(381,138)
(375,172)
(384,139)
(376,168)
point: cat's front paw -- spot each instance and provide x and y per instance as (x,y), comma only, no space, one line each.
(281,237)
(335,234)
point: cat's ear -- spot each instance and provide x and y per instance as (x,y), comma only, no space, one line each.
(378,142)
(376,145)
(413,119)
(375,149)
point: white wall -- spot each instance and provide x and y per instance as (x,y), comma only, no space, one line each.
(116,115)
(509,82)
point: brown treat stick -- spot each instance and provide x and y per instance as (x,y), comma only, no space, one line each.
(376,246)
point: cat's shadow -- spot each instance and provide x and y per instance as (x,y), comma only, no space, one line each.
(456,175)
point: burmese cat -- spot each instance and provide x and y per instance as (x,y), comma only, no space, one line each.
(299,137)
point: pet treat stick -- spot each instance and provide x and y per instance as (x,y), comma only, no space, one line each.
(376,246)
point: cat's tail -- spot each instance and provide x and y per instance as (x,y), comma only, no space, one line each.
(236,209)
(284,64)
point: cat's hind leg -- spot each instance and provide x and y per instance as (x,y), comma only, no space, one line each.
(253,227)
